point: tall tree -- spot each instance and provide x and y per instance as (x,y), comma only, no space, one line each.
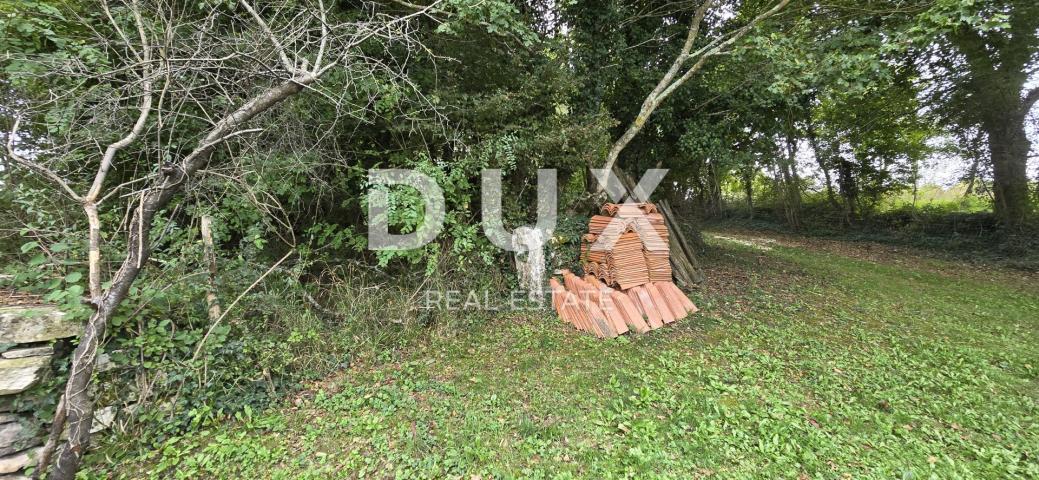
(686,64)
(983,69)
(688,38)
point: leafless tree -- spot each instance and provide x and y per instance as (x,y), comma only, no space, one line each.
(170,68)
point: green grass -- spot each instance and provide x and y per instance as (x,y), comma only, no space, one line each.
(947,199)
(802,364)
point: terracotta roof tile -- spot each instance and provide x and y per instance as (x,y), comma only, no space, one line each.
(631,314)
(635,263)
(660,303)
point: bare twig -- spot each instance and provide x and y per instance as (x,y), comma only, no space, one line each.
(289,65)
(202,342)
(46,172)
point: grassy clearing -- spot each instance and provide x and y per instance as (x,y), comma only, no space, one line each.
(805,363)
(950,199)
(968,239)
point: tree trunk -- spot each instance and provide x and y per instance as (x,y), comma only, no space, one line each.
(822,160)
(748,189)
(972,176)
(79,405)
(212,300)
(1009,146)
(914,171)
(849,188)
(790,183)
(997,75)
(714,192)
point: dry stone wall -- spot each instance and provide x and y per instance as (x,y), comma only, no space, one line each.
(28,333)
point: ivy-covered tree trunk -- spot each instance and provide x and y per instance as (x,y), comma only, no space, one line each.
(849,187)
(748,189)
(997,64)
(1009,147)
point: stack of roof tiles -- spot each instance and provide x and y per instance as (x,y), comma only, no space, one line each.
(627,245)
(627,283)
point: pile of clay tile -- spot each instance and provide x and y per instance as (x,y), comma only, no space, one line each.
(627,282)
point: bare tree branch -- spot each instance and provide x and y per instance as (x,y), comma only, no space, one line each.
(668,83)
(202,342)
(324,37)
(285,62)
(38,167)
(142,117)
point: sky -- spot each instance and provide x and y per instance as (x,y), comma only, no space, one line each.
(941,170)
(945,171)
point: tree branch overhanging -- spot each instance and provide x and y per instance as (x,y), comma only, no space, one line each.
(36,166)
(668,83)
